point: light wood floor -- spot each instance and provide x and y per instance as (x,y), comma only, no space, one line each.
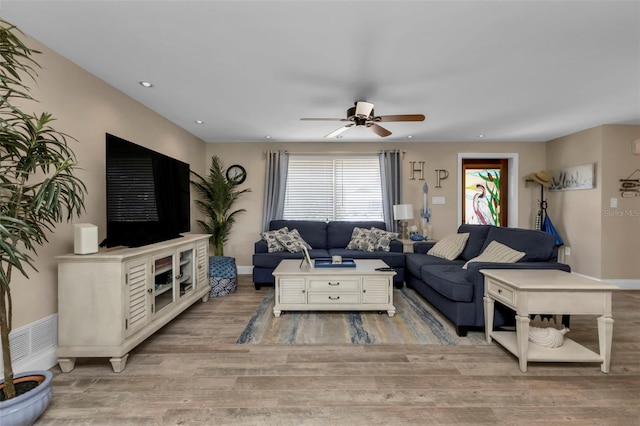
(192,373)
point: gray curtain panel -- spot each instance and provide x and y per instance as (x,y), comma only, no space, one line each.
(391,176)
(275,185)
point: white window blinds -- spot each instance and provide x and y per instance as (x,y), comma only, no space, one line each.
(333,188)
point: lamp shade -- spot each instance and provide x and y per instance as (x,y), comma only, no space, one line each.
(403,211)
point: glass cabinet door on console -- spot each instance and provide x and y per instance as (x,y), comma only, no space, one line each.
(163,289)
(186,272)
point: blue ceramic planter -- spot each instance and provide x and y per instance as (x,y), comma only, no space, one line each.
(25,409)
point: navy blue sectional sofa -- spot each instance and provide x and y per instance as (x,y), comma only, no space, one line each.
(458,293)
(326,239)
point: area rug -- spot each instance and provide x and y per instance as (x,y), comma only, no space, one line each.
(415,322)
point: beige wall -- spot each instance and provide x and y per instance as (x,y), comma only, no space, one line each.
(435,155)
(620,225)
(604,241)
(85,108)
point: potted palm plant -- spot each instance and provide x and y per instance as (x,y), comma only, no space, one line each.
(218,195)
(38,189)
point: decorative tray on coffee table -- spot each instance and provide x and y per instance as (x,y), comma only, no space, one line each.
(326,262)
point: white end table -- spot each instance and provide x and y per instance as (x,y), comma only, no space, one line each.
(407,244)
(540,291)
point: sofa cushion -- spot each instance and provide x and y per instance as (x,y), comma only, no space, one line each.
(537,245)
(313,232)
(423,247)
(292,241)
(362,239)
(448,280)
(475,243)
(339,232)
(273,245)
(450,246)
(415,262)
(497,253)
(383,238)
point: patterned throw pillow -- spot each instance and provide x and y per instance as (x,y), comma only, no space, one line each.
(271,238)
(357,236)
(450,246)
(498,253)
(383,238)
(361,239)
(292,241)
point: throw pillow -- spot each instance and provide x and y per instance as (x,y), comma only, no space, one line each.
(450,246)
(498,253)
(383,238)
(361,239)
(271,238)
(292,241)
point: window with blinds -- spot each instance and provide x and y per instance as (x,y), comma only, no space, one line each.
(333,188)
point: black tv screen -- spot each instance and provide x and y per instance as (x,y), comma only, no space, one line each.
(148,197)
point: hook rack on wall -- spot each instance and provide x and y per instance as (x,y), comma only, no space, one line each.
(630,187)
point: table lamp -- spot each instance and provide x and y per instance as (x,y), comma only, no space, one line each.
(403,213)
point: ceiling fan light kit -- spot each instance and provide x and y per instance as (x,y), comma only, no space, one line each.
(364,109)
(362,114)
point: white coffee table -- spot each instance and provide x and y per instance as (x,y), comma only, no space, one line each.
(539,291)
(302,288)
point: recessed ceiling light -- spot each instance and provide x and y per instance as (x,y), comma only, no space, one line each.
(410,137)
(480,136)
(267,137)
(146,84)
(199,122)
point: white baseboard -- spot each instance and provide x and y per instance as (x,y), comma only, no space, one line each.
(33,346)
(245,270)
(626,284)
(42,360)
(622,284)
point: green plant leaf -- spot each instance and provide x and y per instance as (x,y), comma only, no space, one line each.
(217,197)
(38,187)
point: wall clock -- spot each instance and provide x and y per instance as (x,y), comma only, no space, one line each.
(236,173)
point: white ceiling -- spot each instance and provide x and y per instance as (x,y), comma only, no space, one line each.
(511,70)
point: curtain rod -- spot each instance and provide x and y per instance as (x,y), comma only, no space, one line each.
(333,153)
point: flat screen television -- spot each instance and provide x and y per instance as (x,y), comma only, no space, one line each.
(148,197)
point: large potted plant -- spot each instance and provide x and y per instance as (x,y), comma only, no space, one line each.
(218,196)
(38,189)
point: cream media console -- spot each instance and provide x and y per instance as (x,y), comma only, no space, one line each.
(111,301)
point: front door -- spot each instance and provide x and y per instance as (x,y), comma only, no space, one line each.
(485,200)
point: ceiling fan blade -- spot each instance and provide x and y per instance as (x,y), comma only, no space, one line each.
(337,132)
(363,109)
(324,119)
(401,117)
(379,130)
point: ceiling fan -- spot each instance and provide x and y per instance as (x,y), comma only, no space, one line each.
(361,114)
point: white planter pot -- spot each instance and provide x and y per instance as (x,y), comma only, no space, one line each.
(25,409)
